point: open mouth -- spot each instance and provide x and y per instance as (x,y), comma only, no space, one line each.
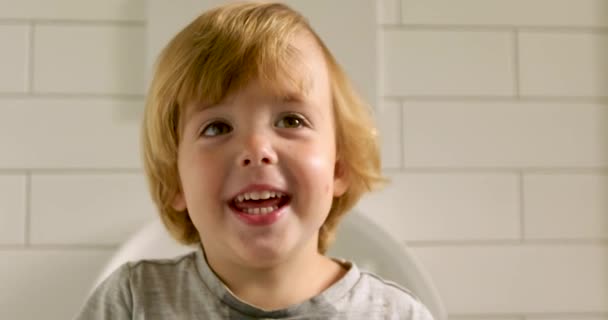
(259,203)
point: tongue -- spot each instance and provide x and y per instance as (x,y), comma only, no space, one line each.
(249,204)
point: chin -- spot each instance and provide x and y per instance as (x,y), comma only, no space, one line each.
(260,255)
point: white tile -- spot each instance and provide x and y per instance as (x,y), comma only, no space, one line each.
(13,57)
(563,64)
(49,284)
(568,317)
(562,206)
(586,13)
(497,134)
(388,122)
(74,133)
(107,10)
(389,11)
(486,317)
(89,59)
(106,208)
(417,62)
(12,209)
(459,206)
(357,28)
(510,279)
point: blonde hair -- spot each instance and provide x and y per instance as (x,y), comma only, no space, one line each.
(220,52)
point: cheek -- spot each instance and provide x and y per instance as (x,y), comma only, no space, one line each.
(201,175)
(318,166)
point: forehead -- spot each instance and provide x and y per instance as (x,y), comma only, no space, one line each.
(303,76)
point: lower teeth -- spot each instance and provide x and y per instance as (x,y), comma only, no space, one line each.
(260,211)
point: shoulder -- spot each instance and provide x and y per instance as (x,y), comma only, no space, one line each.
(392,297)
(136,283)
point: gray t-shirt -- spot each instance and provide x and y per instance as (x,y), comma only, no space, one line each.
(186,288)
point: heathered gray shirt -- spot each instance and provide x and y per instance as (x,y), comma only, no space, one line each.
(186,288)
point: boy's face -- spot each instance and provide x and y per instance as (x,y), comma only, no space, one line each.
(254,144)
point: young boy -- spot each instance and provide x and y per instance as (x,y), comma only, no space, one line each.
(255,146)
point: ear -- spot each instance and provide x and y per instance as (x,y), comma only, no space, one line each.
(179,202)
(341,178)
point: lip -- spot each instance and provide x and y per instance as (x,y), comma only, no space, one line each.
(261,219)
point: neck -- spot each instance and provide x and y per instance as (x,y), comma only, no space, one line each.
(276,287)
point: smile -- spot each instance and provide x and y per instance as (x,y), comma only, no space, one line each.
(260,208)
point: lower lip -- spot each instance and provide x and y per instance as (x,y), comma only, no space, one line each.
(260,219)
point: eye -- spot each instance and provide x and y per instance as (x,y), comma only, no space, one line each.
(290,121)
(215,129)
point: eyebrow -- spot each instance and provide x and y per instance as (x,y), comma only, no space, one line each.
(288,95)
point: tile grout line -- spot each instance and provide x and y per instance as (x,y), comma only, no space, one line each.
(28,198)
(525,316)
(493,28)
(516,63)
(62,247)
(537,170)
(74,22)
(401,135)
(30,71)
(504,242)
(522,214)
(499,98)
(80,95)
(73,170)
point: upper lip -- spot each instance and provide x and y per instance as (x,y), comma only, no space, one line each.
(258,187)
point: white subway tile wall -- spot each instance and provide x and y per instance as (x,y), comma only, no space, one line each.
(71,187)
(502,193)
(69,133)
(105,59)
(47,283)
(522,279)
(568,317)
(60,200)
(514,134)
(510,13)
(14,57)
(389,11)
(448,63)
(486,318)
(494,129)
(575,204)
(570,64)
(70,10)
(388,120)
(12,208)
(447,206)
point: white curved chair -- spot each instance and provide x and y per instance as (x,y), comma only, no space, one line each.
(358,239)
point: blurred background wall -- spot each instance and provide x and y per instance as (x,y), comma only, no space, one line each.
(494,120)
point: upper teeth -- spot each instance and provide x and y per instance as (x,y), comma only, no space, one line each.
(262,195)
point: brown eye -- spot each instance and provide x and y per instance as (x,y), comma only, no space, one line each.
(290,121)
(215,129)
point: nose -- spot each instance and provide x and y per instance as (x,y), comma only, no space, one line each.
(257,151)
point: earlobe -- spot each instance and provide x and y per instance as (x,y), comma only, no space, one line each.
(341,181)
(179,202)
